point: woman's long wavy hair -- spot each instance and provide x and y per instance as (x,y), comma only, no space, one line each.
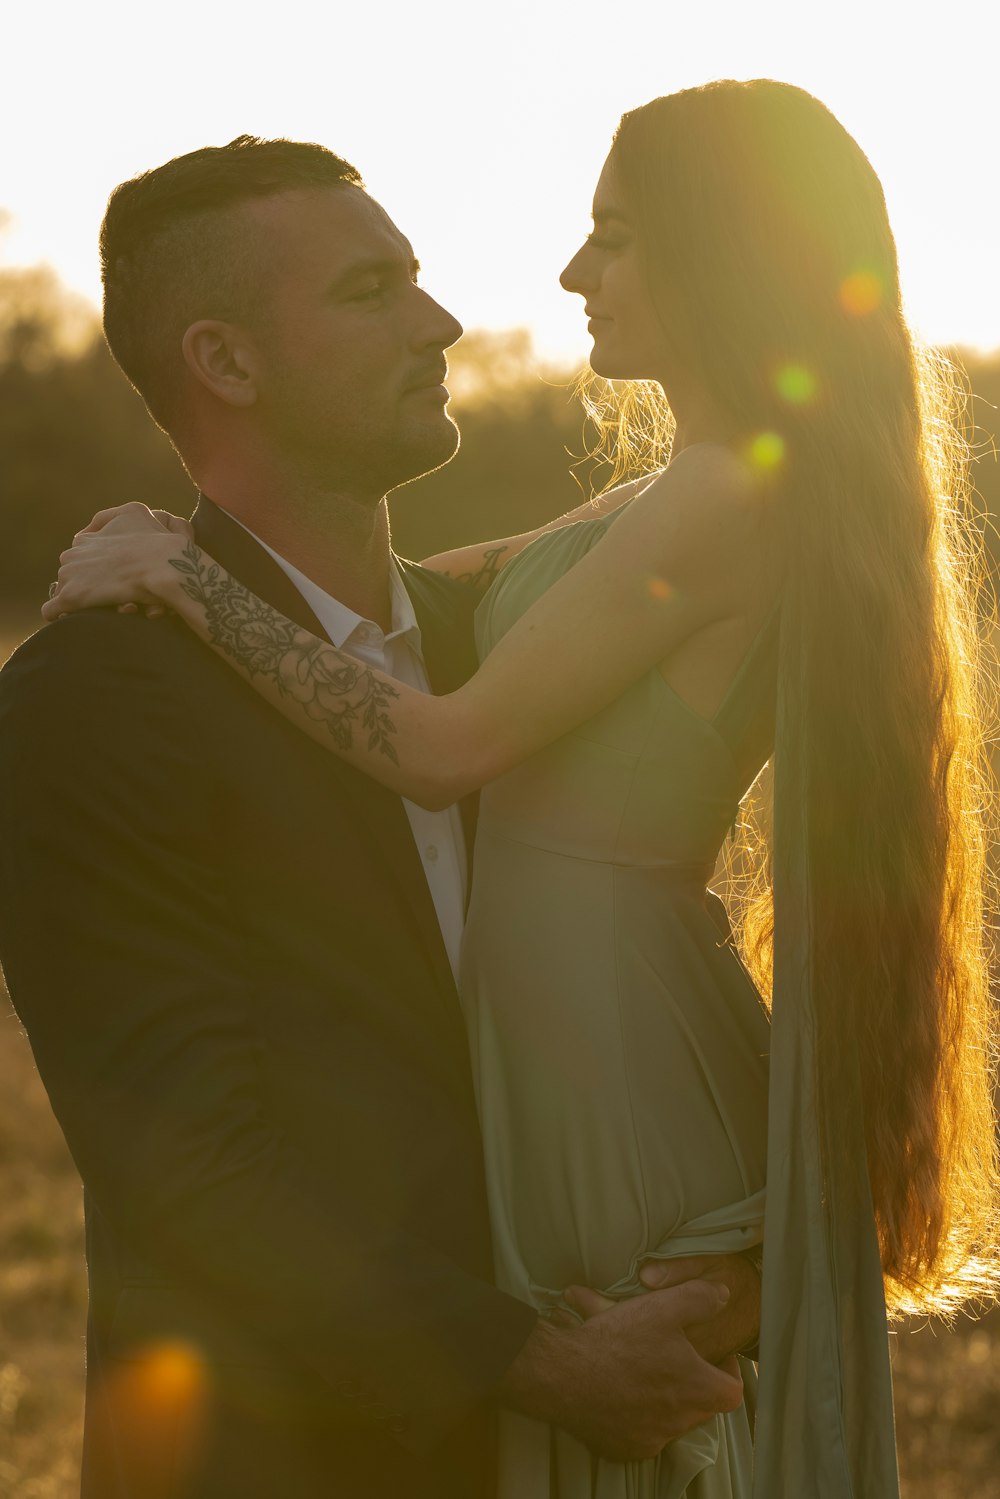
(769,257)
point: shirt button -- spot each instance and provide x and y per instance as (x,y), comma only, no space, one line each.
(431,853)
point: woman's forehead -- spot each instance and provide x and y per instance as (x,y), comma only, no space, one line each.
(608,202)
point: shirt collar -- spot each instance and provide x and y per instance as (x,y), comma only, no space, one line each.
(341,623)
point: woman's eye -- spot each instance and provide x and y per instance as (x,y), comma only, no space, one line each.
(596,242)
(370,293)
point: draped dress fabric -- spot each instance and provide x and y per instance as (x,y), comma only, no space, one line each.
(619,1048)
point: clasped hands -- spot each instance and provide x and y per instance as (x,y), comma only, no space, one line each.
(637,1374)
(112,560)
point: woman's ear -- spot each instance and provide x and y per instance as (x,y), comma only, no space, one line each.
(221,356)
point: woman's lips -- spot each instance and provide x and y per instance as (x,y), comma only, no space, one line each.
(594,317)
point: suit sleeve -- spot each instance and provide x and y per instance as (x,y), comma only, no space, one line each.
(124,965)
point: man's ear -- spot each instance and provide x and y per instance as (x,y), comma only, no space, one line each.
(222,357)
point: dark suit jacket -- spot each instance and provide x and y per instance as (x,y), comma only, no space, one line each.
(223,949)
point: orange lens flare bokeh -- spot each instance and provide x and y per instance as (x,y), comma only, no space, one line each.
(861,293)
(163,1397)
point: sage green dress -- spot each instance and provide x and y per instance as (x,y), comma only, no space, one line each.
(619,1048)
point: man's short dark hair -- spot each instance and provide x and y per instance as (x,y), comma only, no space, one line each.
(173,251)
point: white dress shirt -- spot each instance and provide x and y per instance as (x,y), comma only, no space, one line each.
(438,835)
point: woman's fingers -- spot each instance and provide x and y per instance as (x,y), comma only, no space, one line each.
(136,517)
(82,583)
(133,517)
(63,601)
(88,578)
(175,523)
(111,570)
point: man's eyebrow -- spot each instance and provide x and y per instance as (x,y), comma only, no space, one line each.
(375,266)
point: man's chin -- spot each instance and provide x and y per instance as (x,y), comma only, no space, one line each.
(431,449)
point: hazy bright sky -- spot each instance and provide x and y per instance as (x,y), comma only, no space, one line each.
(482,128)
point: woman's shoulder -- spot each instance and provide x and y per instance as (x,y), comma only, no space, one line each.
(692,526)
(528,575)
(698,525)
(706,485)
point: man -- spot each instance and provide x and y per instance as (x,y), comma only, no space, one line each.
(231,953)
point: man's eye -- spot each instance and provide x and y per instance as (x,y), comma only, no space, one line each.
(370,293)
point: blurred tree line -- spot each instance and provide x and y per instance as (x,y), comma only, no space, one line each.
(75,438)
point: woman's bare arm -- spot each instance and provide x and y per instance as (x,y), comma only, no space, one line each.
(480,562)
(670,565)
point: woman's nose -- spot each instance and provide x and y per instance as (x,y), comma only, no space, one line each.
(573,277)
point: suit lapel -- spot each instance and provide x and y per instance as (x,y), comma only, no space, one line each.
(232,546)
(445,611)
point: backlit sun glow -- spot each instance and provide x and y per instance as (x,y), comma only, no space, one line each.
(483,134)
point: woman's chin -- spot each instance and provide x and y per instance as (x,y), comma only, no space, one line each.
(611,364)
(610,368)
(607,366)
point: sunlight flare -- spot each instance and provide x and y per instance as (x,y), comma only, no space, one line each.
(861,292)
(766,452)
(796,384)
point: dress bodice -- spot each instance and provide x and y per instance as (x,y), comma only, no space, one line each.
(647,780)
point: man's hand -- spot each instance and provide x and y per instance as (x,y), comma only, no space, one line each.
(737,1326)
(734,1328)
(629,1381)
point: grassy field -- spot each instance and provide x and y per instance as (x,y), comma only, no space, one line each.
(947,1383)
(43,1295)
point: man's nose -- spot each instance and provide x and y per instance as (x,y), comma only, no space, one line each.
(438,326)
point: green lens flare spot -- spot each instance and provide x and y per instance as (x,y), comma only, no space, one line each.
(796,384)
(767,451)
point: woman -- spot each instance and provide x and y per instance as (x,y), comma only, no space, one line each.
(797,575)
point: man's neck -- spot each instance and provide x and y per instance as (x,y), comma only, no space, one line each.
(339,541)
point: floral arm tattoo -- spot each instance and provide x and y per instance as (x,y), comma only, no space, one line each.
(329,685)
